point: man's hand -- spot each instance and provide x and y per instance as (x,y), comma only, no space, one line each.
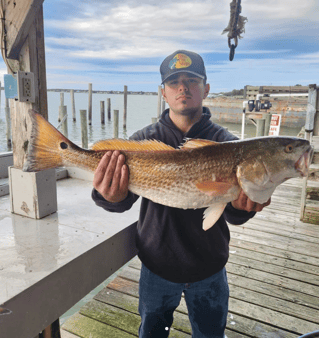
(111,177)
(244,203)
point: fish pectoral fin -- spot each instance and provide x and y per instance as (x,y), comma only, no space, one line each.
(196,143)
(131,145)
(212,215)
(213,188)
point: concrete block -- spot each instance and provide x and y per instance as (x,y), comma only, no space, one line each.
(33,194)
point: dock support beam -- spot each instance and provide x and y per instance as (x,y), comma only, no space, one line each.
(23,24)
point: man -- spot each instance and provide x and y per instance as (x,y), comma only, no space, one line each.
(177,255)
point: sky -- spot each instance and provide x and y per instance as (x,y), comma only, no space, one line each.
(115,43)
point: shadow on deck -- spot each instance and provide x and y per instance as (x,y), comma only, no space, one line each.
(273,273)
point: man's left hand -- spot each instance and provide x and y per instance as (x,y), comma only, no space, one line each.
(244,203)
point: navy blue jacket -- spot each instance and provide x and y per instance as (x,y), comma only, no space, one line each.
(170,241)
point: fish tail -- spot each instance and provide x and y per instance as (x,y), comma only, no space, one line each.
(45,145)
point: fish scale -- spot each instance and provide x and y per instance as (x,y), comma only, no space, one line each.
(201,174)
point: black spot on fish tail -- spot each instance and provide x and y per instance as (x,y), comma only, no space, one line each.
(25,145)
(63,145)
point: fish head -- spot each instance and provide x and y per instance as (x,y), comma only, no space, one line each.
(269,162)
(289,157)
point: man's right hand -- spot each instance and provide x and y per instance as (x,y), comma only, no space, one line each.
(111,177)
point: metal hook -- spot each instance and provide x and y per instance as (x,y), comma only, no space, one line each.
(232,52)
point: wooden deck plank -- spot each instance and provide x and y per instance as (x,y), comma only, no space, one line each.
(265,284)
(265,254)
(241,324)
(86,327)
(292,257)
(273,275)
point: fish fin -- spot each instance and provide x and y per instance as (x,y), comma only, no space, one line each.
(196,143)
(131,145)
(212,215)
(213,188)
(44,147)
(254,179)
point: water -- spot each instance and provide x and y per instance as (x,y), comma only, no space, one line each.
(140,111)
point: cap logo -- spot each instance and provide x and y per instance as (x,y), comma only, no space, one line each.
(180,61)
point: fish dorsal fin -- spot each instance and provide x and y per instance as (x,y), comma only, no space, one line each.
(130,145)
(196,143)
(212,214)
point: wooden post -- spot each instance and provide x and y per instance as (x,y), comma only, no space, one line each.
(154,120)
(267,123)
(109,109)
(64,119)
(159,101)
(8,122)
(30,55)
(163,104)
(90,104)
(102,106)
(260,127)
(116,124)
(125,107)
(84,129)
(73,105)
(309,127)
(24,32)
(61,105)
(316,118)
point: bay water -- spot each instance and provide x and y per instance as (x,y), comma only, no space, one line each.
(140,111)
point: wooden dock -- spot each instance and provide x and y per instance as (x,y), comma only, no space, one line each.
(273,273)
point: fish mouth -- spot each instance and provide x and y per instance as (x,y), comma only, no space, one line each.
(303,164)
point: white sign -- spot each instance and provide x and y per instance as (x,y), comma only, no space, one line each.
(274,125)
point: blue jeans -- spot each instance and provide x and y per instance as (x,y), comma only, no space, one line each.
(207,304)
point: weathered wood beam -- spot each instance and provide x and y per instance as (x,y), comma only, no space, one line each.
(19,16)
(31,59)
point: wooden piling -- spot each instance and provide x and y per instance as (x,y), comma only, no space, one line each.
(61,105)
(64,119)
(159,101)
(163,104)
(84,129)
(109,109)
(116,124)
(125,107)
(267,123)
(90,104)
(260,127)
(154,120)
(102,106)
(73,104)
(8,122)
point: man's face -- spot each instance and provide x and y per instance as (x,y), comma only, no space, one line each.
(184,93)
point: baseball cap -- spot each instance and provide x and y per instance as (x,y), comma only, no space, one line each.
(182,61)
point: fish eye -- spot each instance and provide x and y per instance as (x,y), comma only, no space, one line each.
(289,148)
(63,145)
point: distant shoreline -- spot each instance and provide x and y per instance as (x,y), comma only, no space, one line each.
(101,91)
